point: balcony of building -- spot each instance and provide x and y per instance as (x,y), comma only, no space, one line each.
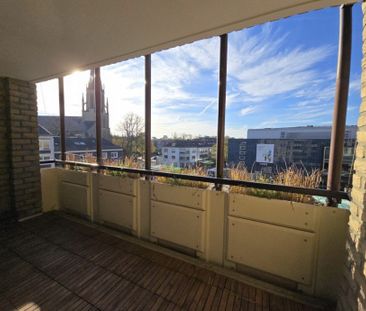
(95,236)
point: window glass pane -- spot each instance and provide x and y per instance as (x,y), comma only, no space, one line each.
(184,107)
(124,84)
(48,119)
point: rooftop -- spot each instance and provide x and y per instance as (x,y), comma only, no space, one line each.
(79,143)
(191,143)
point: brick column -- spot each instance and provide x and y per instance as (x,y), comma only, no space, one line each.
(20,193)
(353,286)
(5,207)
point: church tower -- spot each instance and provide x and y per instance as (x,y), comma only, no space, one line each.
(88,111)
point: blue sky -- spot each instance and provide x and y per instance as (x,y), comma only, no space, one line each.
(279,74)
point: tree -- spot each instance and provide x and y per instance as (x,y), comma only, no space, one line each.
(132,135)
(214,147)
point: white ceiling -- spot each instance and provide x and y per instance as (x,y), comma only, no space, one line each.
(40,39)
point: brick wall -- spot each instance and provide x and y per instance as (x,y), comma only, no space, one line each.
(19,135)
(353,286)
(5,207)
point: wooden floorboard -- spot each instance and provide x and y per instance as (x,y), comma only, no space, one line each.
(53,263)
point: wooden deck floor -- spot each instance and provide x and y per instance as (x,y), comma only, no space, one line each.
(53,263)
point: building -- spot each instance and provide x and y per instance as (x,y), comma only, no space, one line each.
(80,132)
(81,148)
(186,153)
(347,164)
(255,154)
(270,150)
(46,144)
(299,132)
(83,126)
(78,147)
(160,143)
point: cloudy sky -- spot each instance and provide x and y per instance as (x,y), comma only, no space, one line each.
(279,74)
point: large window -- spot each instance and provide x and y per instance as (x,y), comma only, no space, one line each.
(280,99)
(279,104)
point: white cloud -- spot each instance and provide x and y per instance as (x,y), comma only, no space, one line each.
(247,110)
(263,66)
(355,84)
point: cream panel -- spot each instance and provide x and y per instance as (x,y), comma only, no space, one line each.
(280,212)
(187,196)
(74,197)
(143,208)
(50,195)
(74,177)
(180,225)
(281,251)
(215,234)
(333,228)
(118,184)
(117,209)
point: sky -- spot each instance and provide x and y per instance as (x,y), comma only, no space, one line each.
(281,73)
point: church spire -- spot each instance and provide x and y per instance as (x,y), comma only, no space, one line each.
(88,111)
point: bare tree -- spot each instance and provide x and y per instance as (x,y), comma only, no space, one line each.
(132,130)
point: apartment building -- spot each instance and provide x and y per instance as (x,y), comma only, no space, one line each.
(185,153)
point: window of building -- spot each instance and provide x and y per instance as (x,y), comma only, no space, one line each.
(44,157)
(44,144)
(114,155)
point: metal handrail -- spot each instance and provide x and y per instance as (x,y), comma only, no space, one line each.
(338,195)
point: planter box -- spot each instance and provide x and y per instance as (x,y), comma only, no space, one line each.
(178,215)
(177,224)
(116,201)
(281,251)
(178,195)
(75,192)
(278,212)
(299,242)
(50,194)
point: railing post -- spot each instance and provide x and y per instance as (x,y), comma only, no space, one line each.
(340,100)
(148,112)
(98,125)
(220,145)
(61,98)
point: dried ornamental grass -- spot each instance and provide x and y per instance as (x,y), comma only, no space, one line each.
(289,177)
(128,162)
(199,171)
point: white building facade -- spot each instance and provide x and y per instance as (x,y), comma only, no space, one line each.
(184,156)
